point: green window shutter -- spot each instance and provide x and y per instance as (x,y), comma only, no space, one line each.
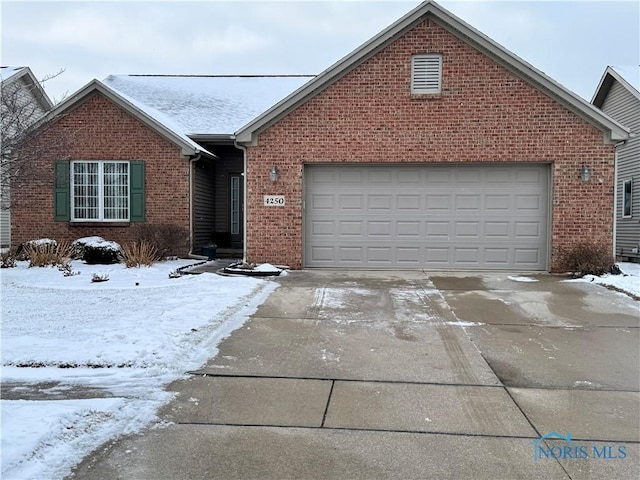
(136,191)
(62,192)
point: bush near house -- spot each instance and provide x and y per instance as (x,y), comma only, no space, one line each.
(8,258)
(589,259)
(168,239)
(96,250)
(140,253)
(45,252)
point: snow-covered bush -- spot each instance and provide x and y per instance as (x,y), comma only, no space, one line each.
(96,250)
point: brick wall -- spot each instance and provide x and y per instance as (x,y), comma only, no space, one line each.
(100,130)
(484,114)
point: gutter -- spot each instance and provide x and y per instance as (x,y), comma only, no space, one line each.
(192,160)
(615,195)
(615,201)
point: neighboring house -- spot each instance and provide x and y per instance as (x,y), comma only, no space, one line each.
(24,102)
(618,96)
(430,146)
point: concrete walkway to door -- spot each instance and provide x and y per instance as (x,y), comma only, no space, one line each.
(405,375)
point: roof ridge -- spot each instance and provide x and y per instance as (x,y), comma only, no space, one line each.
(214,76)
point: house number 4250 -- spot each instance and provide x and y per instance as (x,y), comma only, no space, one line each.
(274,200)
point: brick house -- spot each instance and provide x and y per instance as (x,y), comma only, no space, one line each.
(430,146)
(142,153)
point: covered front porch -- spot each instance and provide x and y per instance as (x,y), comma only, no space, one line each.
(218,202)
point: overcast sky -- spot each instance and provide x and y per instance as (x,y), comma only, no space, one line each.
(570,41)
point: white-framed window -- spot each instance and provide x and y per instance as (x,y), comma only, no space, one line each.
(426,73)
(99,191)
(627,199)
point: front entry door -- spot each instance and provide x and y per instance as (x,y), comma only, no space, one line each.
(237,210)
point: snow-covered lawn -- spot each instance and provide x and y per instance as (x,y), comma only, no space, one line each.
(120,341)
(628,282)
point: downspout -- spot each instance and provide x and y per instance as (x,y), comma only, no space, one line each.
(615,201)
(615,195)
(192,160)
(244,198)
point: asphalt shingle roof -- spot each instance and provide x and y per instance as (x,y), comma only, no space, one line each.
(205,104)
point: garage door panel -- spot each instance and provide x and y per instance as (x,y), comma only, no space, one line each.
(380,176)
(468,203)
(380,203)
(350,203)
(533,176)
(445,217)
(379,255)
(436,203)
(497,230)
(437,230)
(322,228)
(350,228)
(323,202)
(350,177)
(497,256)
(531,230)
(501,176)
(527,256)
(411,203)
(528,203)
(409,229)
(379,228)
(467,175)
(467,230)
(497,203)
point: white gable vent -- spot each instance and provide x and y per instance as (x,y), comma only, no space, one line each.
(426,73)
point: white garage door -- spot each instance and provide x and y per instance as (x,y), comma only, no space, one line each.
(465,217)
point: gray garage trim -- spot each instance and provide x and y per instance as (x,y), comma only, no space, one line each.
(450,217)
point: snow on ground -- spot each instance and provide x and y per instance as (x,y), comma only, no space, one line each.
(522,279)
(628,282)
(122,341)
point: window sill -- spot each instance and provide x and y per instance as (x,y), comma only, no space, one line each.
(99,224)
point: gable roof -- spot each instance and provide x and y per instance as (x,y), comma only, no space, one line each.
(206,105)
(430,10)
(9,75)
(155,120)
(628,77)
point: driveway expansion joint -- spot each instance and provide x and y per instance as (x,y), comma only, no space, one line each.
(326,408)
(355,380)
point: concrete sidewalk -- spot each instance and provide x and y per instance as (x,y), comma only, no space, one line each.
(405,375)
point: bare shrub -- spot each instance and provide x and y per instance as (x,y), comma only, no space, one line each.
(168,239)
(47,253)
(97,278)
(8,258)
(589,259)
(140,253)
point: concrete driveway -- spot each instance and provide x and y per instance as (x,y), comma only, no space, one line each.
(406,375)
